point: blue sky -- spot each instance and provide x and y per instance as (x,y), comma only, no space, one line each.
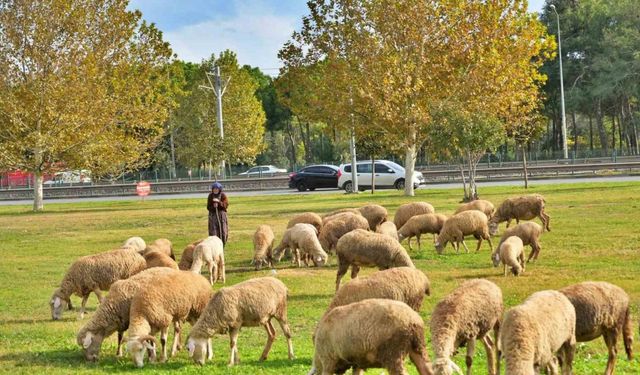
(254,29)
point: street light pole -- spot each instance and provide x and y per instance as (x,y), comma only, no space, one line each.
(564,117)
(218,89)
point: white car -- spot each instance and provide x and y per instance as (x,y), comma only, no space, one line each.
(387,175)
(70,177)
(262,171)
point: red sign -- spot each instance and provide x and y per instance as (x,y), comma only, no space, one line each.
(143,188)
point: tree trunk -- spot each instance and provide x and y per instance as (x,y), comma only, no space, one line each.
(173,155)
(464,183)
(524,167)
(410,163)
(590,132)
(473,163)
(38,194)
(604,143)
(613,133)
(634,129)
(293,155)
(373,174)
(620,133)
(575,134)
(554,139)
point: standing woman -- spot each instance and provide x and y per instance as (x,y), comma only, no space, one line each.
(217,204)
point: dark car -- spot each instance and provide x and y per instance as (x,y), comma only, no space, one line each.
(315,176)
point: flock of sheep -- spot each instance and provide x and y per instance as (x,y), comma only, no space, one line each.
(371,322)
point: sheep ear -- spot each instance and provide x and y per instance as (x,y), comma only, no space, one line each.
(56,302)
(191,347)
(87,340)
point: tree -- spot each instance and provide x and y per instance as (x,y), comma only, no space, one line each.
(83,84)
(199,142)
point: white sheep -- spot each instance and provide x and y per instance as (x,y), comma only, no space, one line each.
(136,243)
(388,228)
(420,224)
(408,210)
(525,207)
(211,252)
(602,309)
(302,239)
(511,253)
(529,232)
(340,225)
(464,224)
(173,297)
(467,314)
(113,313)
(307,218)
(94,273)
(481,205)
(263,246)
(364,248)
(250,303)
(534,332)
(373,333)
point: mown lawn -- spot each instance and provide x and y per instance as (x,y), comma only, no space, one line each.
(594,236)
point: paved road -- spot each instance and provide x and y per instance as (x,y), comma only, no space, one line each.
(453,185)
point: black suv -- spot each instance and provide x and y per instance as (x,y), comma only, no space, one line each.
(315,176)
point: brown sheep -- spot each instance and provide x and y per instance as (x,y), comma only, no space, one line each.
(525,207)
(481,205)
(407,210)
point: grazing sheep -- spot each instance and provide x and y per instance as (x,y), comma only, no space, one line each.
(302,239)
(248,304)
(407,210)
(363,248)
(333,230)
(374,333)
(529,232)
(404,284)
(307,218)
(136,243)
(93,273)
(481,205)
(464,224)
(186,258)
(210,251)
(375,215)
(525,207)
(388,228)
(534,332)
(113,314)
(162,245)
(333,214)
(602,309)
(263,246)
(158,259)
(467,314)
(421,224)
(511,253)
(173,297)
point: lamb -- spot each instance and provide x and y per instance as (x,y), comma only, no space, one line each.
(465,315)
(113,314)
(364,248)
(248,304)
(159,259)
(308,218)
(210,251)
(420,224)
(525,207)
(162,245)
(533,332)
(94,273)
(602,309)
(263,246)
(388,228)
(375,215)
(464,224)
(173,297)
(481,205)
(333,230)
(136,243)
(374,333)
(529,232)
(405,284)
(302,239)
(511,253)
(407,210)
(186,258)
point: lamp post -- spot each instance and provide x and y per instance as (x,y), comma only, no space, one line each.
(564,117)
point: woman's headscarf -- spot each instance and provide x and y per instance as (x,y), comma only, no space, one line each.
(216,185)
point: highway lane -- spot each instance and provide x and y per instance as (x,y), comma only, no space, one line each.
(452,185)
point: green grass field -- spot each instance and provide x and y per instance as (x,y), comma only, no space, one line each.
(594,236)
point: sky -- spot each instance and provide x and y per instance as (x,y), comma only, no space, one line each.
(254,29)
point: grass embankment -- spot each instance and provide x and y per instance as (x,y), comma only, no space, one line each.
(594,236)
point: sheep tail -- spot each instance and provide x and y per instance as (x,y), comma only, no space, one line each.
(627,334)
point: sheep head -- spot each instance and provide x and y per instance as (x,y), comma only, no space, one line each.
(137,347)
(197,348)
(440,246)
(493,226)
(495,257)
(90,342)
(57,305)
(445,366)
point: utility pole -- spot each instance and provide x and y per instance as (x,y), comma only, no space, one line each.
(218,90)
(354,167)
(565,149)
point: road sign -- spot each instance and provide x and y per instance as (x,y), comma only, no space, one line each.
(143,188)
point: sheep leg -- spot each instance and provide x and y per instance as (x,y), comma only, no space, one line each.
(211,278)
(98,293)
(222,272)
(568,351)
(491,355)
(119,350)
(271,337)
(487,237)
(357,371)
(505,269)
(479,243)
(397,368)
(287,333)
(342,270)
(521,260)
(508,222)
(297,257)
(471,348)
(409,242)
(82,305)
(545,220)
(164,333)
(354,270)
(465,245)
(176,338)
(209,350)
(233,342)
(418,239)
(420,359)
(610,338)
(535,251)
